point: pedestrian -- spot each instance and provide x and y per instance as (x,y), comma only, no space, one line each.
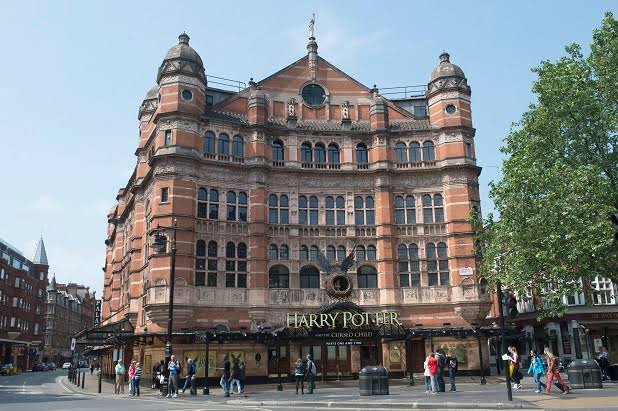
(242,377)
(173,368)
(441,357)
(155,376)
(452,364)
(432,367)
(235,376)
(191,370)
(604,363)
(137,378)
(514,365)
(226,376)
(427,376)
(120,370)
(163,372)
(299,375)
(91,368)
(132,379)
(552,372)
(537,370)
(311,373)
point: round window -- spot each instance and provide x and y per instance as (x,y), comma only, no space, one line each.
(187,95)
(313,95)
(451,109)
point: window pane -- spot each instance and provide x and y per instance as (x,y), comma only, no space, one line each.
(360,253)
(242,250)
(284,252)
(410,216)
(242,213)
(231,213)
(442,250)
(230,265)
(214,196)
(202,195)
(212,249)
(331,254)
(427,215)
(369,202)
(212,279)
(415,279)
(242,198)
(242,266)
(444,280)
(230,250)
(212,265)
(313,202)
(302,201)
(284,216)
(443,265)
(305,153)
(273,253)
(415,152)
(400,152)
(340,217)
(359,217)
(200,264)
(340,202)
(426,200)
(358,202)
(313,217)
(224,143)
(272,215)
(319,152)
(432,279)
(330,217)
(302,216)
(230,280)
(277,150)
(200,279)
(402,252)
(361,154)
(398,202)
(399,217)
(242,280)
(437,200)
(370,217)
(201,210)
(272,201)
(304,252)
(329,202)
(283,201)
(313,252)
(341,254)
(404,280)
(403,267)
(333,154)
(371,253)
(439,215)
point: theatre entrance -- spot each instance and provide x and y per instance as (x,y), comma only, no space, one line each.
(415,354)
(331,360)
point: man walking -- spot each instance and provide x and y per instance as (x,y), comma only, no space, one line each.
(311,373)
(191,370)
(226,376)
(120,370)
(441,364)
(173,367)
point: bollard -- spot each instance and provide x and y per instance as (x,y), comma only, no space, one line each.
(78,375)
(83,378)
(100,376)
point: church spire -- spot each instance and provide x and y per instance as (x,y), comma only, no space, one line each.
(40,255)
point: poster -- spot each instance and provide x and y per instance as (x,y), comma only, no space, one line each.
(598,343)
(198,357)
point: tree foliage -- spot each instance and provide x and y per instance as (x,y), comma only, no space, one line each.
(560,179)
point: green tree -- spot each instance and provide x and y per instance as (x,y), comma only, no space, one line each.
(560,179)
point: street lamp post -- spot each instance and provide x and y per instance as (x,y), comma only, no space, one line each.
(503,335)
(478,339)
(170,314)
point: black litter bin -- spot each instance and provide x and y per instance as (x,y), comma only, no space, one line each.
(612,372)
(584,374)
(373,380)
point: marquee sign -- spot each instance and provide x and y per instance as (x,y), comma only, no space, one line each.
(97,313)
(343,319)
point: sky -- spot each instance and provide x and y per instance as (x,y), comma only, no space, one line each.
(74,73)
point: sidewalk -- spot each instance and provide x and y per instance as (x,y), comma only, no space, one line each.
(344,394)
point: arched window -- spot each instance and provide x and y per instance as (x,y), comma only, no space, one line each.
(309,277)
(364,210)
(400,153)
(284,252)
(341,253)
(433,211)
(303,252)
(329,203)
(434,278)
(415,152)
(308,210)
(313,252)
(371,252)
(236,265)
(428,151)
(331,253)
(306,154)
(236,206)
(209,142)
(335,208)
(230,250)
(405,212)
(213,204)
(427,210)
(202,203)
(360,253)
(333,153)
(409,269)
(319,153)
(224,144)
(200,263)
(361,154)
(277,150)
(273,212)
(443,263)
(340,206)
(238,146)
(438,209)
(273,252)
(212,250)
(367,277)
(278,277)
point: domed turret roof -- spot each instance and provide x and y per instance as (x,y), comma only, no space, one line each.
(446,69)
(152,93)
(183,51)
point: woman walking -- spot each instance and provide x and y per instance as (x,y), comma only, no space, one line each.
(552,372)
(299,375)
(537,370)
(514,365)
(136,378)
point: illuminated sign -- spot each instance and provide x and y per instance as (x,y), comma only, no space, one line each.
(347,319)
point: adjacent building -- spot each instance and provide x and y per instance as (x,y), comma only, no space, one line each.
(70,309)
(250,187)
(22,303)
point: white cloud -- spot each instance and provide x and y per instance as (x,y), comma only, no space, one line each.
(47,204)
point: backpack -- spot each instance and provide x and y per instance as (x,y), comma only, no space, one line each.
(311,368)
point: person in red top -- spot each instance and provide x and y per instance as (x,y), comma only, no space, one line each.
(432,366)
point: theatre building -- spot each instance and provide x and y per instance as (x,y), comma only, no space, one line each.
(253,190)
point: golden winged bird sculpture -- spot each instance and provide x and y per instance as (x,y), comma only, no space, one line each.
(338,283)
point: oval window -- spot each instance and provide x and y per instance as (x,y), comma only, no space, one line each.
(313,95)
(451,109)
(187,95)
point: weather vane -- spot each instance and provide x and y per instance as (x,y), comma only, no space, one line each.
(311,25)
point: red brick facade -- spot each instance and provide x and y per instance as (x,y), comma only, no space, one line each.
(263,178)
